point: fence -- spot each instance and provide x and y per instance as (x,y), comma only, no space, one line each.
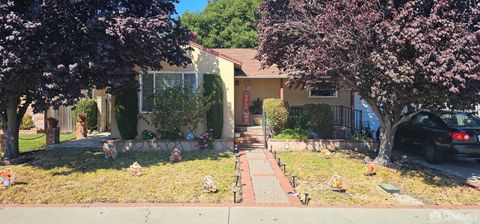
(344,117)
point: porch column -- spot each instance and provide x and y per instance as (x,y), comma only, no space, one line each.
(282,96)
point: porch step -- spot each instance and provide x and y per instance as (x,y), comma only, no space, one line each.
(250,141)
(249,129)
(251,134)
(251,146)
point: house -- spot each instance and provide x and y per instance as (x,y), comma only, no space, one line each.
(244,80)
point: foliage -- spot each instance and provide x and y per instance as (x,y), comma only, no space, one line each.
(276,114)
(225,24)
(256,107)
(206,140)
(394,53)
(148,135)
(27,123)
(175,108)
(213,85)
(296,118)
(292,133)
(51,50)
(320,119)
(126,113)
(89,108)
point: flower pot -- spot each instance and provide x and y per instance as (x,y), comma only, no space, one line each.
(257,119)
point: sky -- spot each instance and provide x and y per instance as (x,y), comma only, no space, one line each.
(191,6)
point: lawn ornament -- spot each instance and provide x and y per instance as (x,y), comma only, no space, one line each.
(371,169)
(7,178)
(209,184)
(110,153)
(135,169)
(336,183)
(176,155)
(325,153)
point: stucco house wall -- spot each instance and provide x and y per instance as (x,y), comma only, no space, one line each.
(203,62)
(264,88)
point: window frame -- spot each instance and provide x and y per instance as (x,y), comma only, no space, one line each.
(323,97)
(140,104)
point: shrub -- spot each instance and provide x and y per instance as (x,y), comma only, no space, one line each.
(148,135)
(319,117)
(175,108)
(276,114)
(292,133)
(206,140)
(89,108)
(256,107)
(212,85)
(126,113)
(27,123)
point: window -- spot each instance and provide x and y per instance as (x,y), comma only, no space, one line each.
(154,81)
(324,90)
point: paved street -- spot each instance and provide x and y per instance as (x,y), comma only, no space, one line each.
(235,215)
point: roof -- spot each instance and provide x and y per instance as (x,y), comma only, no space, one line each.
(250,67)
(217,53)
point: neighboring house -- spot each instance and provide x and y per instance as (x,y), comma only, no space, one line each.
(244,80)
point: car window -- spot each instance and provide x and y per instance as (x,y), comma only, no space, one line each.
(460,119)
(427,120)
(420,119)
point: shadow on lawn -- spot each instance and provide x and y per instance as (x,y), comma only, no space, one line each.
(91,160)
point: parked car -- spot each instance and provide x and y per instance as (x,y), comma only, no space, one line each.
(440,135)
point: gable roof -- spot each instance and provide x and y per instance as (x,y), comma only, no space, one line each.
(250,67)
(237,63)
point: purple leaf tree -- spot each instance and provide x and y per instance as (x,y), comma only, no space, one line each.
(421,54)
(50,50)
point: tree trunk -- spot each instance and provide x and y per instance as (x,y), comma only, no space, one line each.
(11,128)
(387,135)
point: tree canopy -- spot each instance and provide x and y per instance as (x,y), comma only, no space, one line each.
(394,53)
(225,24)
(52,49)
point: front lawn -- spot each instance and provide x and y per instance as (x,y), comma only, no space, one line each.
(31,142)
(428,186)
(56,177)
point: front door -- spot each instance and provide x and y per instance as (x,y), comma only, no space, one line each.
(246,116)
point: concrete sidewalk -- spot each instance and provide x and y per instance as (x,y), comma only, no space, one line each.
(235,215)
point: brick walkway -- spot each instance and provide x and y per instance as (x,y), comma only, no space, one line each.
(263,182)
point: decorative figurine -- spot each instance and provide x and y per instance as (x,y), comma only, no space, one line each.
(209,184)
(325,153)
(336,183)
(176,155)
(371,169)
(80,127)
(135,169)
(110,153)
(7,178)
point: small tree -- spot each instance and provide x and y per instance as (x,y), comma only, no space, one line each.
(175,108)
(213,85)
(89,108)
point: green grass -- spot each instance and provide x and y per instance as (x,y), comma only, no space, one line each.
(56,177)
(430,187)
(290,133)
(31,142)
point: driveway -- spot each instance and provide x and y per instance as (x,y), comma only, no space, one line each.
(467,170)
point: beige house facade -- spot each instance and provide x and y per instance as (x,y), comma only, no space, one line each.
(241,74)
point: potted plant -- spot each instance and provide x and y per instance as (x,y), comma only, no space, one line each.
(256,110)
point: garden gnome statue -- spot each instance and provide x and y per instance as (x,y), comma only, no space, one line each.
(209,184)
(81,128)
(176,155)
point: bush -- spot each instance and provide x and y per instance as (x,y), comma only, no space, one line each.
(175,108)
(295,133)
(212,85)
(89,108)
(319,117)
(148,135)
(126,113)
(276,114)
(27,123)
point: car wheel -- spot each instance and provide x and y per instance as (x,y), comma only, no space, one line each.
(433,154)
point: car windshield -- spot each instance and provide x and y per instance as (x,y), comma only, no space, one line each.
(460,120)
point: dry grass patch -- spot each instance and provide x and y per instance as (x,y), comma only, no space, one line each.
(428,186)
(54,177)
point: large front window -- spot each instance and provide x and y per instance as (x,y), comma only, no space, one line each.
(324,90)
(154,81)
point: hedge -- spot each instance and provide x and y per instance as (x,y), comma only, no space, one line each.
(276,114)
(213,84)
(126,113)
(320,117)
(27,123)
(89,108)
